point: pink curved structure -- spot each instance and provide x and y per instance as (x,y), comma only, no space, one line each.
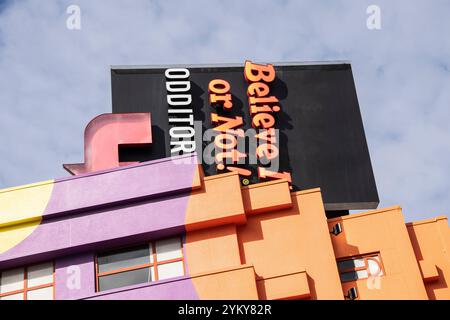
(102,138)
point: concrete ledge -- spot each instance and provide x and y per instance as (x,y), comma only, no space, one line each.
(393,209)
(237,283)
(219,202)
(99,190)
(429,271)
(425,221)
(256,200)
(290,286)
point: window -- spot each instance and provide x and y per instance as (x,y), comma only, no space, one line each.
(35,282)
(155,261)
(361,267)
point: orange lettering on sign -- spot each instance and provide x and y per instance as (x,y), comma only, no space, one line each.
(227,124)
(267,135)
(262,109)
(267,150)
(265,108)
(265,174)
(219,93)
(260,89)
(240,171)
(259,72)
(225,141)
(233,155)
(264,120)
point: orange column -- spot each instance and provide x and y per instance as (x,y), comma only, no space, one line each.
(380,231)
(294,243)
(431,242)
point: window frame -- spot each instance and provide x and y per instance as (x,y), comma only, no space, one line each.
(25,289)
(365,257)
(149,265)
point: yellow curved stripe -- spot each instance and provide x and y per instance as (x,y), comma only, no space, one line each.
(21,210)
(13,235)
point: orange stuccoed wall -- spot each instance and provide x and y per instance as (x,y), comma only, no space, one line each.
(265,242)
(431,243)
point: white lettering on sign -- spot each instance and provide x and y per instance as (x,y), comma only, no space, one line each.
(181,116)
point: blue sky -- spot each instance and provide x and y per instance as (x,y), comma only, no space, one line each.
(53,80)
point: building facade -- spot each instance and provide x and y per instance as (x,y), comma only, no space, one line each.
(176,234)
(164,229)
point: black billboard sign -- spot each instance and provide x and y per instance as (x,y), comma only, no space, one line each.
(305,117)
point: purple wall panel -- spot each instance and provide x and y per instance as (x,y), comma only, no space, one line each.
(133,221)
(149,220)
(121,185)
(178,289)
(75,277)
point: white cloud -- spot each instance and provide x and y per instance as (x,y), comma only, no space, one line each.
(53,81)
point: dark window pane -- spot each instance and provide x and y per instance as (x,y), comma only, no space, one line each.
(354,275)
(123,279)
(350,264)
(123,258)
(349,276)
